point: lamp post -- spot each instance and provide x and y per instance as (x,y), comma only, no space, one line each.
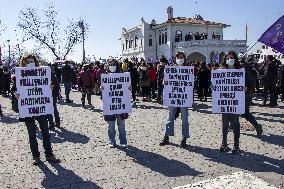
(81,25)
(9,58)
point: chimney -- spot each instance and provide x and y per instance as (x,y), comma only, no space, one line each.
(170,12)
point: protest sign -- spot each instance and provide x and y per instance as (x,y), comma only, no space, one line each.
(116,94)
(178,86)
(228,91)
(33,85)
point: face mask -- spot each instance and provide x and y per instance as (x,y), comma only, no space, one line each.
(179,61)
(112,68)
(30,65)
(231,63)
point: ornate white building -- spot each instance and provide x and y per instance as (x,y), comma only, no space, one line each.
(200,40)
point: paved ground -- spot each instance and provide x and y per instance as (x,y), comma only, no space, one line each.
(88,162)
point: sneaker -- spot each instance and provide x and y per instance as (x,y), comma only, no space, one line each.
(183,143)
(225,148)
(124,145)
(36,161)
(53,159)
(166,141)
(51,128)
(111,145)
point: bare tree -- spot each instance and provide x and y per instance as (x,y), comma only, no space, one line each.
(46,30)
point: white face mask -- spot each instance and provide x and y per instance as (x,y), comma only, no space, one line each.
(112,68)
(30,65)
(179,61)
(231,63)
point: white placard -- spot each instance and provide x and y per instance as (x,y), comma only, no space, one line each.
(178,86)
(228,91)
(116,95)
(33,85)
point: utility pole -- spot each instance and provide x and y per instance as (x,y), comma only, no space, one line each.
(81,25)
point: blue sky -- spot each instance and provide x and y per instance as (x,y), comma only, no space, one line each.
(107,17)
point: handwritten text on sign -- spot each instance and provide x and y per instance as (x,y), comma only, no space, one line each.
(116,94)
(228,91)
(33,85)
(178,86)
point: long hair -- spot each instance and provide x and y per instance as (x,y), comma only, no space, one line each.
(24,59)
(237,64)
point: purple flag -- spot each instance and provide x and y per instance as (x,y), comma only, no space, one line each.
(274,36)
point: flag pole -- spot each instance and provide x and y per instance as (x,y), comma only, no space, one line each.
(250,48)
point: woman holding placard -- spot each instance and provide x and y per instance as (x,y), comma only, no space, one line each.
(113,67)
(31,61)
(231,62)
(169,130)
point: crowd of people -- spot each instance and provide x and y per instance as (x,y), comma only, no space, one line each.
(266,79)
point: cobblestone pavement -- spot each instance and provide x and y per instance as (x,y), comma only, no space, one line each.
(88,162)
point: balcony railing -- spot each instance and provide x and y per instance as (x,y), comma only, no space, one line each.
(227,43)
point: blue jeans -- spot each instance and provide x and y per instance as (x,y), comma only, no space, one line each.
(121,131)
(170,122)
(31,127)
(56,114)
(67,87)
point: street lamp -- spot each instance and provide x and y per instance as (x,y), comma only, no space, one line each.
(81,25)
(9,47)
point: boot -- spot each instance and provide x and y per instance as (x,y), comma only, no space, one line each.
(83,103)
(224,147)
(183,143)
(90,102)
(236,149)
(36,161)
(165,141)
(259,130)
(53,159)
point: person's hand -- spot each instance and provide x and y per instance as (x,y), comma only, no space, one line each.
(102,88)
(17,95)
(130,88)
(51,86)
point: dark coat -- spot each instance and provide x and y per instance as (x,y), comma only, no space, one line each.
(67,74)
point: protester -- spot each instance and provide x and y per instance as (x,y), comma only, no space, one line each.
(203,76)
(134,80)
(250,86)
(6,81)
(1,79)
(67,79)
(231,62)
(86,83)
(169,130)
(269,81)
(1,112)
(144,80)
(55,83)
(160,78)
(113,67)
(152,76)
(31,61)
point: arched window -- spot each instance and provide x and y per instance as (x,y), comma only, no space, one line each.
(126,43)
(136,41)
(178,36)
(150,40)
(131,42)
(160,38)
(166,37)
(163,38)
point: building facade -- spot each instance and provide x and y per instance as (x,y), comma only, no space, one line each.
(200,40)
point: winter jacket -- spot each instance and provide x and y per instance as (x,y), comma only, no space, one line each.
(86,79)
(67,74)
